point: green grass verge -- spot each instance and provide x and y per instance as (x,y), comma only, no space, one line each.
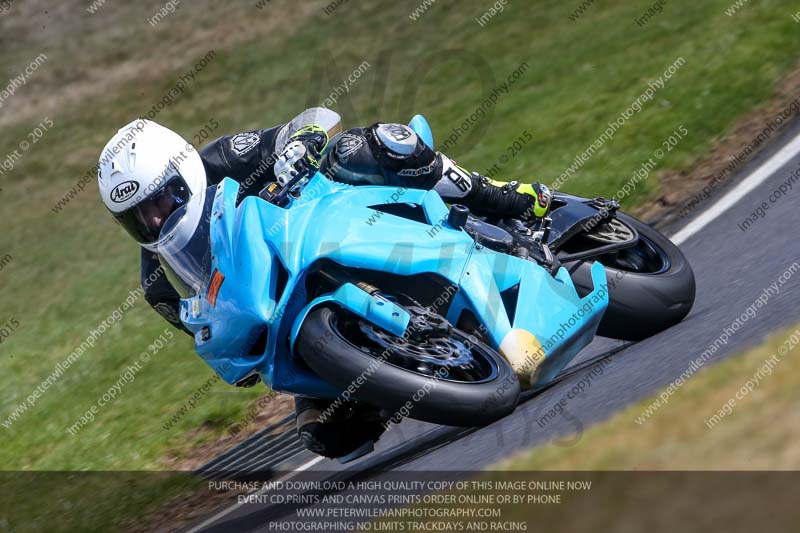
(70,270)
(86,501)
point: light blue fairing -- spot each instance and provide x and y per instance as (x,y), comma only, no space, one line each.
(253,242)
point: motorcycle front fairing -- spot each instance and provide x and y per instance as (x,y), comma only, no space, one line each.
(261,253)
(237,323)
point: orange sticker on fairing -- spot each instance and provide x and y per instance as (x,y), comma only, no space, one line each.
(213,287)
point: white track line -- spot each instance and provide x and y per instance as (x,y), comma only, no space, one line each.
(767,169)
(235,506)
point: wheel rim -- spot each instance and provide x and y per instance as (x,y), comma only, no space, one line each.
(645,257)
(612,232)
(451,358)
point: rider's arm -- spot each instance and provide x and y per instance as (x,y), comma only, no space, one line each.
(249,157)
(158,292)
(245,157)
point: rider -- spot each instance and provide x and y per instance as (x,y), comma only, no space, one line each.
(146,172)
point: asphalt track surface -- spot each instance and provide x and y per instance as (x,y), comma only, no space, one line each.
(732,268)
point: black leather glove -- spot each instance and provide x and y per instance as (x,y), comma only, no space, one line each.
(301,154)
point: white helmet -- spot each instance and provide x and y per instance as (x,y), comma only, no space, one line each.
(146,172)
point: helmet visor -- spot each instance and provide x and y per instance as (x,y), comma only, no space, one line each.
(187,258)
(144,220)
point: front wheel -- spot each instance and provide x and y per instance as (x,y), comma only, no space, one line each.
(449,379)
(651,285)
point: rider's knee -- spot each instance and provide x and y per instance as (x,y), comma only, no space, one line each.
(382,154)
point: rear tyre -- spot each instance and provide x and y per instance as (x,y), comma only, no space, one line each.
(651,285)
(396,373)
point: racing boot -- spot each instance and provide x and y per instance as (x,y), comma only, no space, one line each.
(541,193)
(491,198)
(343,430)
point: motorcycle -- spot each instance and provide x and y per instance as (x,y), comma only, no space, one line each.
(389,297)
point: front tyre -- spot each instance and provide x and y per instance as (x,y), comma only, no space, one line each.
(451,380)
(651,285)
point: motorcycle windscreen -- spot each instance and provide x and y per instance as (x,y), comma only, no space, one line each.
(323,117)
(186,255)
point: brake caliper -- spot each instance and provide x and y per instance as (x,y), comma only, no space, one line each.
(426,324)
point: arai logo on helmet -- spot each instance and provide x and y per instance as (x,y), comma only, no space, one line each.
(124,191)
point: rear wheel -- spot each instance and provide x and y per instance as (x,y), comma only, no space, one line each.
(651,285)
(451,379)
